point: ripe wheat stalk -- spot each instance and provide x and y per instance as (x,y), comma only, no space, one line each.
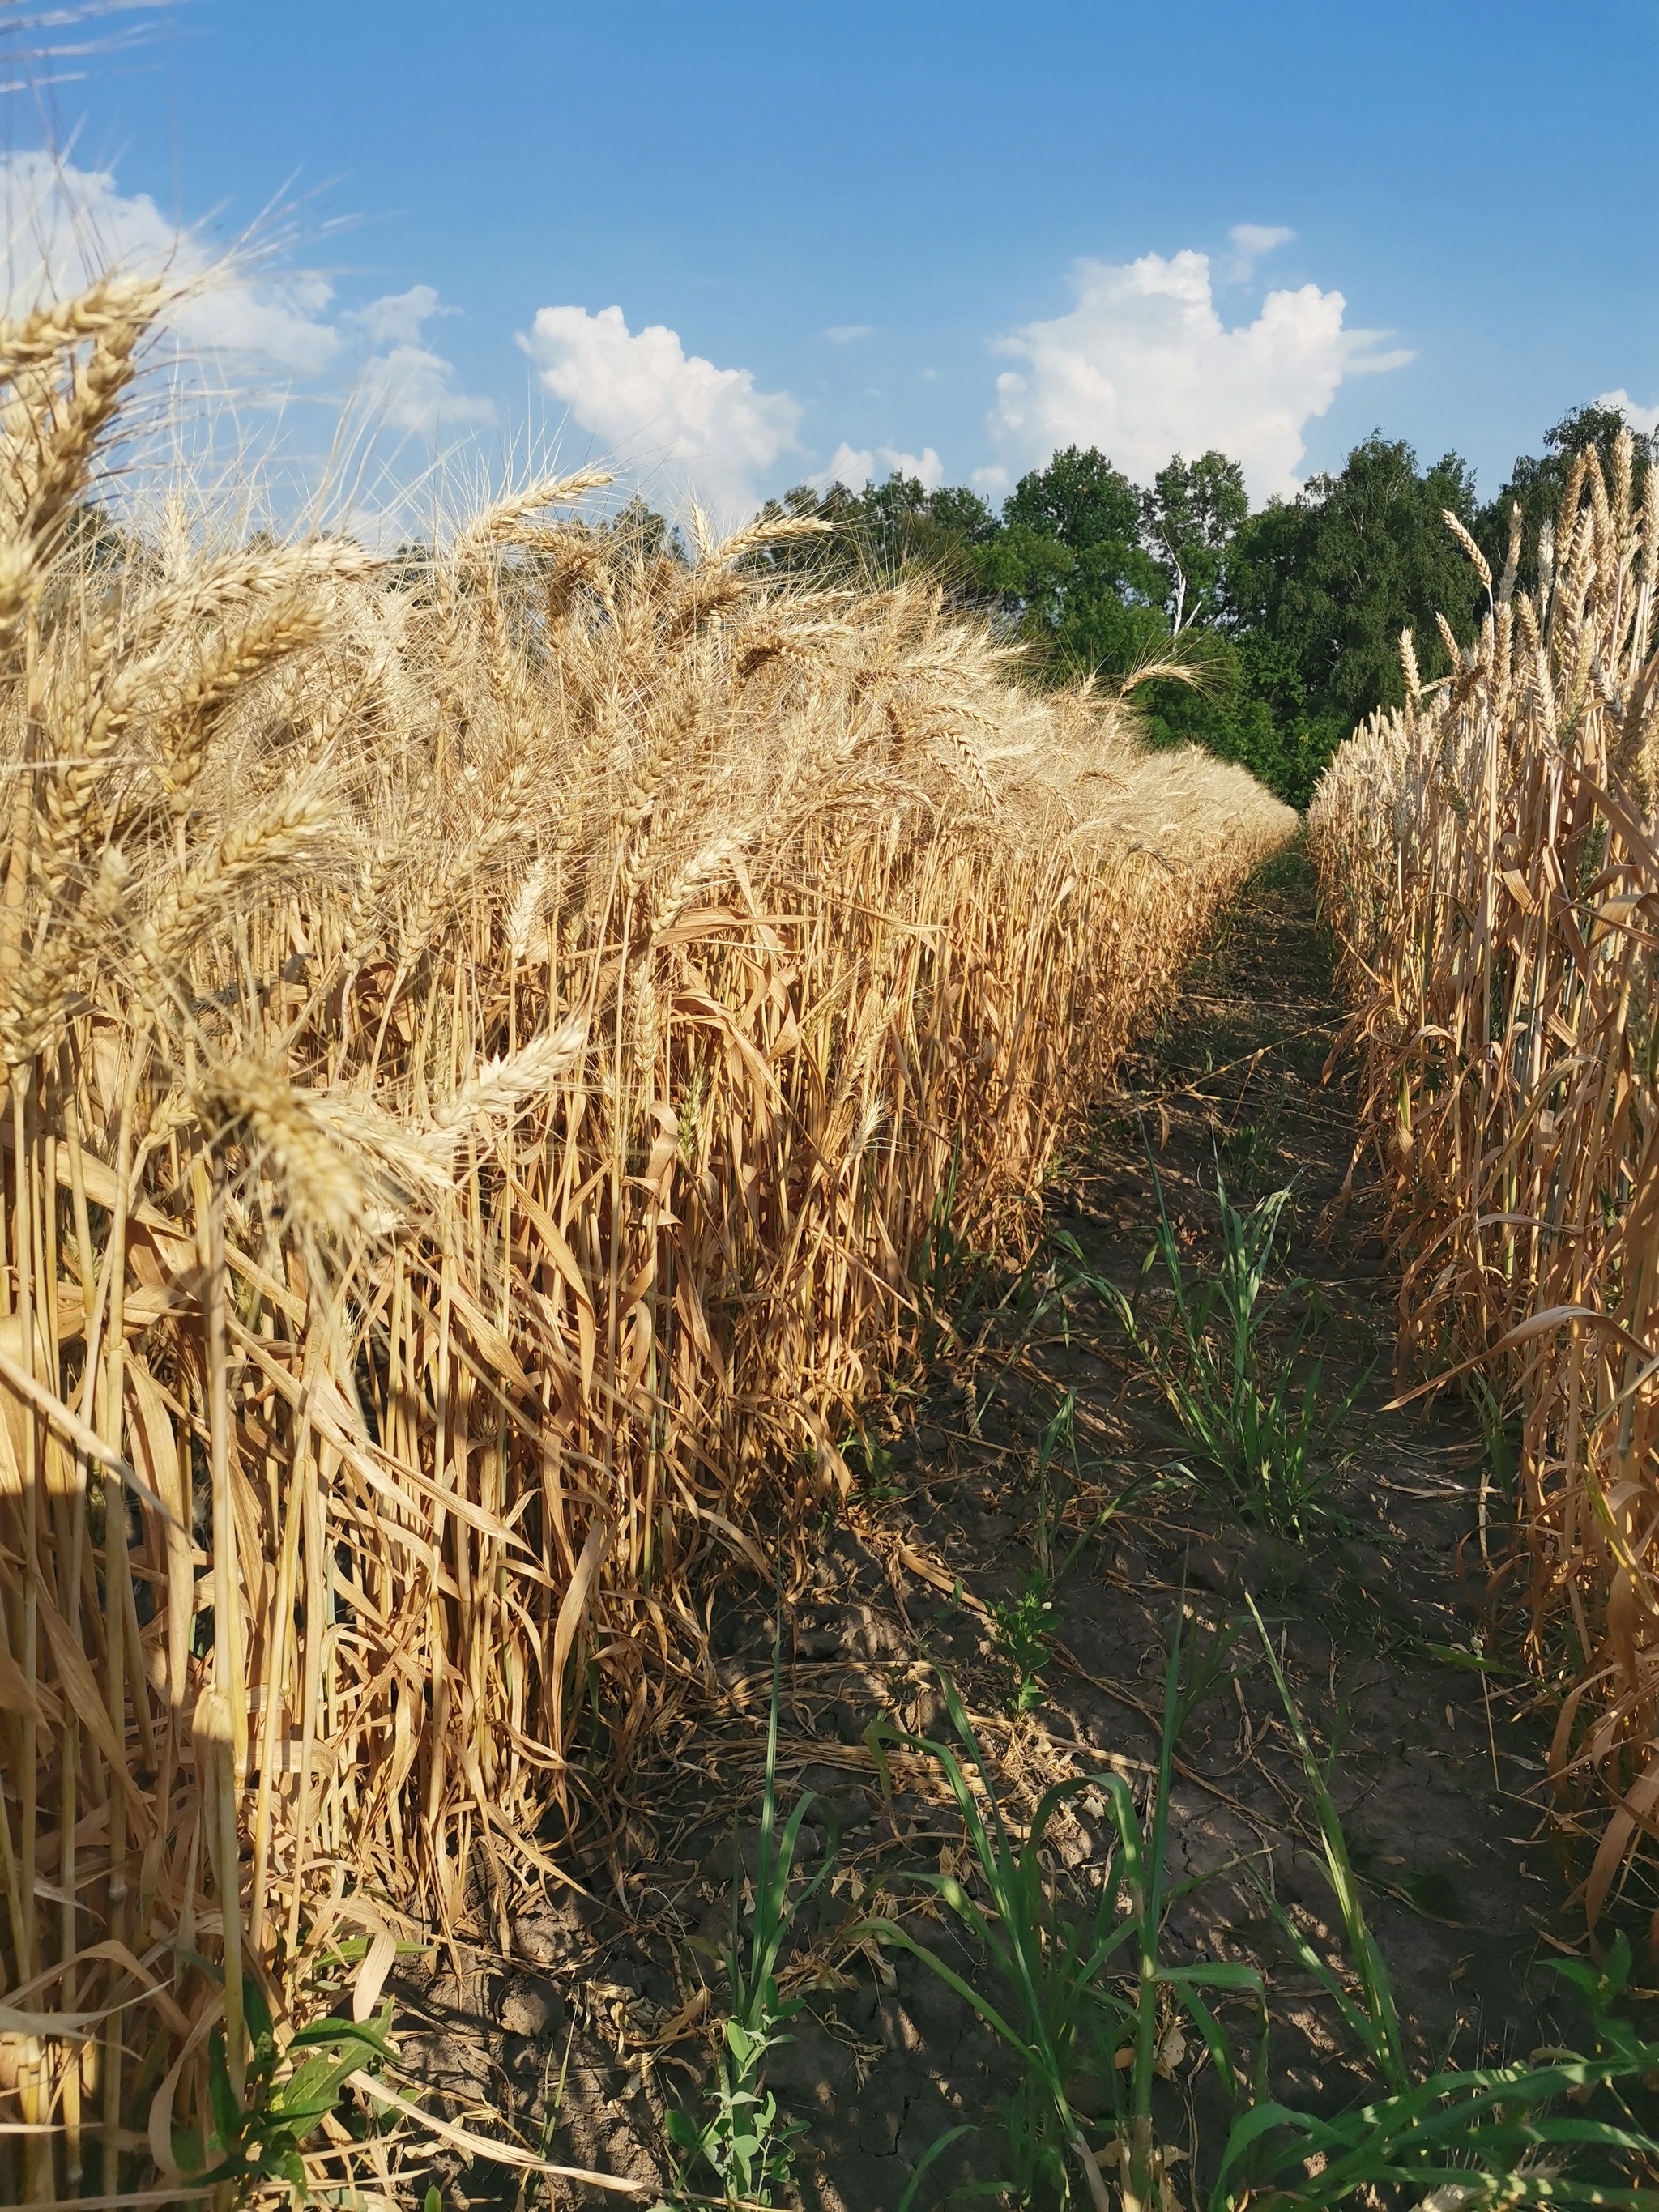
(1489,856)
(483,1043)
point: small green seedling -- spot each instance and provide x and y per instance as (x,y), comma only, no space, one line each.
(746,2139)
(1487,2137)
(1020,1630)
(290,2090)
(1083,1989)
(1252,1410)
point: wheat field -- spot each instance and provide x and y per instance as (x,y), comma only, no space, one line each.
(1489,858)
(493,1041)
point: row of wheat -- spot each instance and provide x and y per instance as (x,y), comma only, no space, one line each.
(489,1039)
(1489,858)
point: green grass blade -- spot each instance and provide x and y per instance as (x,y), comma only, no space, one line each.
(1359,2025)
(1367,1959)
(890,1931)
(938,2144)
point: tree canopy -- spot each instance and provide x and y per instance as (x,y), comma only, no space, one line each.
(1288,617)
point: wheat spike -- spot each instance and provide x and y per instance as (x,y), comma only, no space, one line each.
(1477,558)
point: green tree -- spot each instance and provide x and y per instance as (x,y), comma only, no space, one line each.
(901,524)
(1291,618)
(882,530)
(1069,564)
(1321,586)
(1190,517)
(1188,521)
(1079,499)
(822,558)
(647,535)
(97,538)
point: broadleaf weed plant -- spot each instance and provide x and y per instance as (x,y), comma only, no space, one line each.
(746,2139)
(880,1482)
(1020,1635)
(1083,1988)
(1254,1410)
(259,2128)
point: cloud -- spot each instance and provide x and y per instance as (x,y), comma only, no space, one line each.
(1645,419)
(844,333)
(849,465)
(649,400)
(398,318)
(855,465)
(65,227)
(412,388)
(1250,241)
(927,467)
(1143,367)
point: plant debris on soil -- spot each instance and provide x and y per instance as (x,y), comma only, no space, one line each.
(576,2043)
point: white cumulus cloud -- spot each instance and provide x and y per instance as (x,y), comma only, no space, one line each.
(844,333)
(412,388)
(1144,367)
(926,466)
(650,402)
(855,465)
(409,386)
(400,317)
(1645,419)
(1250,241)
(66,225)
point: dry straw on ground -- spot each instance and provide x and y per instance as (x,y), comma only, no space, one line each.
(489,1041)
(1490,857)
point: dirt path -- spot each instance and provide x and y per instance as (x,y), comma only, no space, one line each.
(1377,1611)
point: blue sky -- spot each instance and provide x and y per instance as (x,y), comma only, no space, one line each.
(832,231)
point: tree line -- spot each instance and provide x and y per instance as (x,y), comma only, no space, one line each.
(1289,615)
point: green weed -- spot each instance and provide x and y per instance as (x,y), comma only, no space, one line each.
(746,2139)
(1020,1635)
(880,1482)
(1255,1413)
(1249,1150)
(948,1272)
(256,2139)
(1084,1991)
(1486,2136)
(1054,1486)
(1020,1628)
(1035,1293)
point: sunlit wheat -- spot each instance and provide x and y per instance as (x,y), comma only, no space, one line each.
(484,1040)
(1489,855)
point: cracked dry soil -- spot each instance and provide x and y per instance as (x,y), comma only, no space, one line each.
(575,2043)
